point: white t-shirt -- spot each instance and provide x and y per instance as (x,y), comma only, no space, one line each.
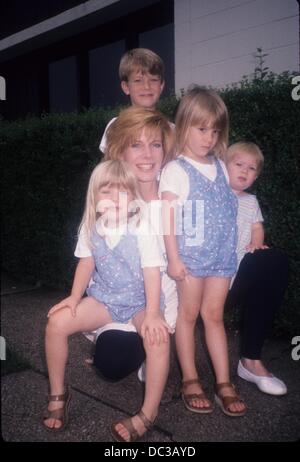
(175,179)
(103,142)
(248,213)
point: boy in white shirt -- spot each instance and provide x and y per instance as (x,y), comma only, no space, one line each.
(141,73)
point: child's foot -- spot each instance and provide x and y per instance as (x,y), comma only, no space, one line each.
(56,414)
(129,430)
(194,397)
(229,401)
(51,422)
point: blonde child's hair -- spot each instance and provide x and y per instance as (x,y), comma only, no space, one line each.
(112,173)
(201,106)
(249,148)
(127,128)
(140,59)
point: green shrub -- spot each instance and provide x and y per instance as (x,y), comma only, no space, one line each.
(46,163)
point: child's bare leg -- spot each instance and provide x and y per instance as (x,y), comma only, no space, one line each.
(189,295)
(157,370)
(212,307)
(90,315)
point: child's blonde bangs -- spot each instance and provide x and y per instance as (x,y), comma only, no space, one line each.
(201,107)
(246,147)
(208,109)
(112,172)
(210,118)
(116,173)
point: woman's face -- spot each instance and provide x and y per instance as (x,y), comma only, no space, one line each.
(145,155)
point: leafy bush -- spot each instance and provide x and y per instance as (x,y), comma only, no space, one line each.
(47,162)
(46,165)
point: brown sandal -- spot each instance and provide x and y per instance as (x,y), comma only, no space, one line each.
(225,401)
(61,413)
(189,398)
(127,423)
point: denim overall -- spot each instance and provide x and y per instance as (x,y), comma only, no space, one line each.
(206,225)
(118,280)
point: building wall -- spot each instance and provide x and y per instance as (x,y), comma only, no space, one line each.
(70,61)
(215,39)
(34,12)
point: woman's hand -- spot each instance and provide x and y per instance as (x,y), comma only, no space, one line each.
(70,302)
(177,270)
(155,329)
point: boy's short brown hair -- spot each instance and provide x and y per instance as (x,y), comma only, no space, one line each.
(249,148)
(141,59)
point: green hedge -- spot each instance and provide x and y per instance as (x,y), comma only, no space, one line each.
(46,163)
(264,112)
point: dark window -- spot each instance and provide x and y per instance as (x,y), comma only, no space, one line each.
(22,94)
(104,62)
(63,92)
(161,41)
(80,70)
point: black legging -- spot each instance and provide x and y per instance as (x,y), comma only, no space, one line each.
(258,289)
(118,353)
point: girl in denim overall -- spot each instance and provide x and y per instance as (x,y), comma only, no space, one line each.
(124,265)
(200,235)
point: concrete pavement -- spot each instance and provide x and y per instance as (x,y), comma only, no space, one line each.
(96,402)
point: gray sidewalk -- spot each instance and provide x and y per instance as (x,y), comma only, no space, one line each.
(96,402)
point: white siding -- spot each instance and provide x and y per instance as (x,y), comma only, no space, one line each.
(215,39)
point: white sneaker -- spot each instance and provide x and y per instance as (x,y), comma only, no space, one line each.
(142,373)
(271,385)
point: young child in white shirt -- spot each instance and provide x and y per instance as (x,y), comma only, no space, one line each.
(125,261)
(261,278)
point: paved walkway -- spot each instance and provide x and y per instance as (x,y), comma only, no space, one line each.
(96,403)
